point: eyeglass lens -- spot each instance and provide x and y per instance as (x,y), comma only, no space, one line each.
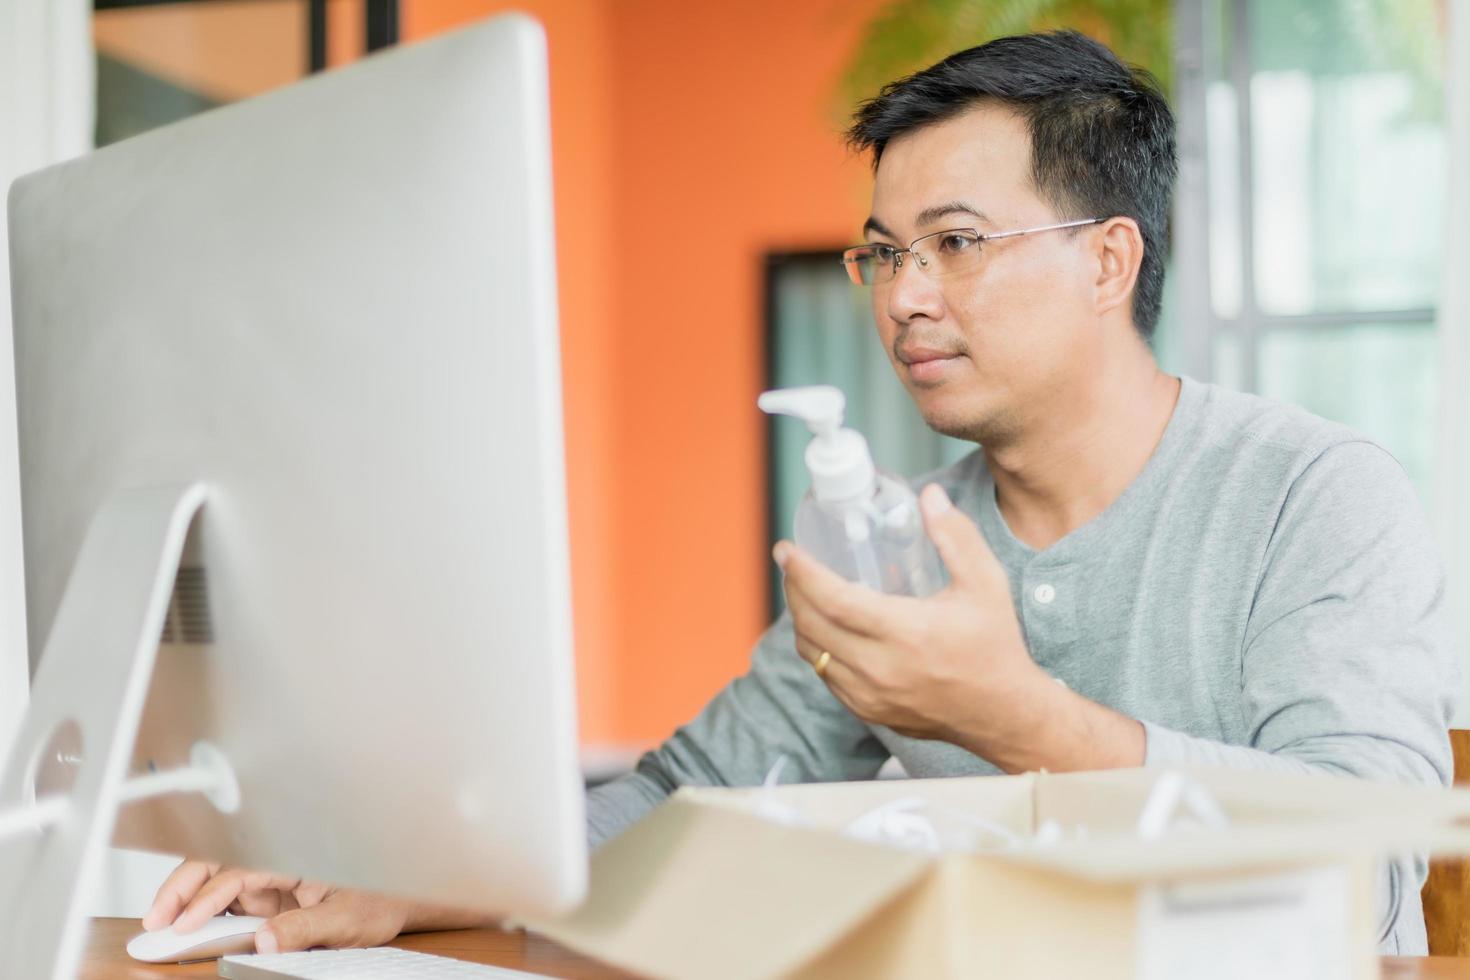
(940,254)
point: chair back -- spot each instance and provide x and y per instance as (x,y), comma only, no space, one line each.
(1447,892)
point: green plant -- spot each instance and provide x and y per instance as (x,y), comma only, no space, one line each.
(1344,36)
(908,35)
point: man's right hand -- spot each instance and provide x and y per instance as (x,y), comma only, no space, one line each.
(301,914)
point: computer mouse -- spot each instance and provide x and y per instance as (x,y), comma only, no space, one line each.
(223,935)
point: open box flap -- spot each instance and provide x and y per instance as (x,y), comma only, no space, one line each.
(1275,819)
(1186,853)
(1006,800)
(710,891)
(1112,799)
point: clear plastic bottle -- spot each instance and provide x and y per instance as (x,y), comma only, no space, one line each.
(858,520)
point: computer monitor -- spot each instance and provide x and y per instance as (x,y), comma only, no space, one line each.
(304,347)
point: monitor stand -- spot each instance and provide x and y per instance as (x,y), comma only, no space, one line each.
(66,774)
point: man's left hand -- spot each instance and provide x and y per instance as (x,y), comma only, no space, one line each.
(952,666)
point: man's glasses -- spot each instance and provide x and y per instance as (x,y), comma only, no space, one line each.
(943,253)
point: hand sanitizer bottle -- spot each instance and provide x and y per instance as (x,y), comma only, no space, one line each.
(861,522)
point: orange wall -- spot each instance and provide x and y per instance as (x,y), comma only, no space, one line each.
(689,139)
(727,134)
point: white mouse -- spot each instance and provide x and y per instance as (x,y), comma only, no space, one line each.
(223,935)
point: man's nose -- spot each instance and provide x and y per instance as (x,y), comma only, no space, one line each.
(913,293)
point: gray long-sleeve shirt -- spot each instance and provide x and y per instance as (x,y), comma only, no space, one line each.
(1265,594)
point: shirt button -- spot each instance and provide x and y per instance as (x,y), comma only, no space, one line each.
(1044,593)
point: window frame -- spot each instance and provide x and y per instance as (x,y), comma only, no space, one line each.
(1197,326)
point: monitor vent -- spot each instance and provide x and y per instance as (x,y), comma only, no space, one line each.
(188,610)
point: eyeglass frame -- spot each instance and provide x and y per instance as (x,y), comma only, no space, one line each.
(898,253)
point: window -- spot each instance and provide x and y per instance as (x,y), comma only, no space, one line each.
(159,61)
(1308,219)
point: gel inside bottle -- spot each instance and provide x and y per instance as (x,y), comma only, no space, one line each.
(860,521)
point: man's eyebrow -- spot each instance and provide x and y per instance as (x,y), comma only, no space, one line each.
(873,224)
(927,216)
(930,215)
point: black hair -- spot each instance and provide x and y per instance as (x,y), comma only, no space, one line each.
(1102,135)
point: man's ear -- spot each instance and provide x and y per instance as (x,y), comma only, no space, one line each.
(1120,255)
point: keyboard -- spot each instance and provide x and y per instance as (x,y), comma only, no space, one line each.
(380,963)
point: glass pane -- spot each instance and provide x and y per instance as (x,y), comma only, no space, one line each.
(1381,380)
(1222,148)
(1343,97)
(1229,360)
(160,62)
(1168,339)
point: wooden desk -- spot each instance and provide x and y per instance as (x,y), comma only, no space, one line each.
(106,959)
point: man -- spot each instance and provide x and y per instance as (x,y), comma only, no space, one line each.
(1144,570)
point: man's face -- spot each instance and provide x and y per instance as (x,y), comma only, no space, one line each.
(981,351)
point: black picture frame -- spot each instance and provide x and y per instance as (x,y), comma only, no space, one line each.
(775,265)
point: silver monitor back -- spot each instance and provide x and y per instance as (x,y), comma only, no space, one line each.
(334,305)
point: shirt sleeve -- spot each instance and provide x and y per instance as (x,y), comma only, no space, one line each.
(1347,665)
(778,708)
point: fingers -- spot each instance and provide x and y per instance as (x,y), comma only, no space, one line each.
(815,633)
(811,651)
(850,658)
(310,893)
(964,549)
(840,677)
(837,675)
(342,918)
(224,888)
(850,622)
(177,890)
(849,605)
(264,902)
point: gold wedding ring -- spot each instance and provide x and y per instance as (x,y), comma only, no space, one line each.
(821,665)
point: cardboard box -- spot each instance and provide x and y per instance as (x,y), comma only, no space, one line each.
(737,883)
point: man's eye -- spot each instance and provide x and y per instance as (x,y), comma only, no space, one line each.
(956,244)
(883,253)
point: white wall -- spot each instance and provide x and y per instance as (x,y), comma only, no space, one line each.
(130,879)
(46,114)
(1452,490)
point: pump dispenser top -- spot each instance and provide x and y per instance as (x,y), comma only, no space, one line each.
(838,459)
